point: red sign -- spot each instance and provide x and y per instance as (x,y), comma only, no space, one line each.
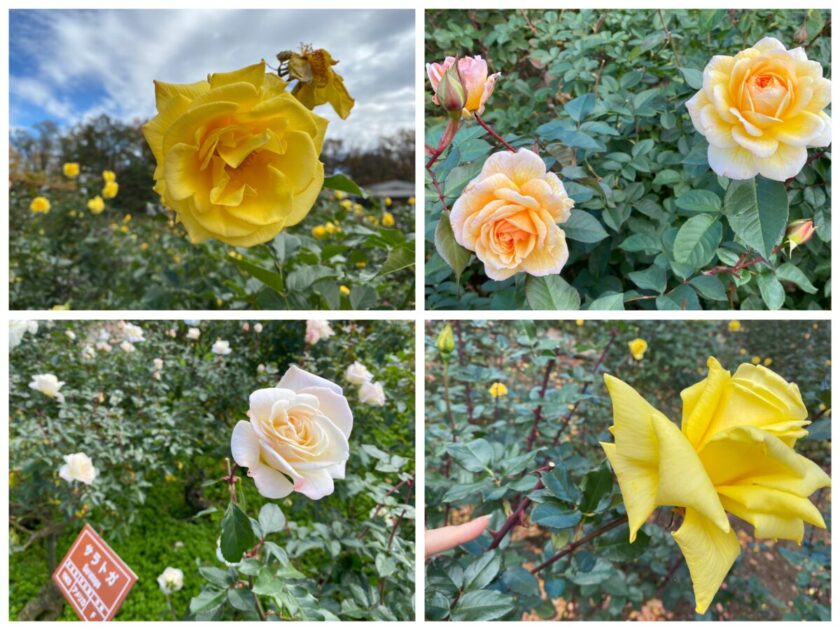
(93,578)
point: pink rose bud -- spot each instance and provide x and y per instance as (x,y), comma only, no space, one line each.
(800,232)
(450,91)
(473,77)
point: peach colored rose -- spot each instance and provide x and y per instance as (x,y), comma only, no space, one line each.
(761,109)
(508,216)
(477,84)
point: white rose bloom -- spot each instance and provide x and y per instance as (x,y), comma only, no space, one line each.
(70,335)
(246,326)
(221,347)
(18,328)
(48,384)
(88,352)
(260,368)
(317,329)
(193,333)
(126,346)
(133,333)
(78,467)
(372,394)
(357,374)
(158,363)
(296,436)
(258,328)
(171,580)
(104,346)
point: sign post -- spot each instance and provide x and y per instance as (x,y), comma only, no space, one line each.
(93,578)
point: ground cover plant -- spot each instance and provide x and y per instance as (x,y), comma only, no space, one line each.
(519,425)
(137,429)
(580,159)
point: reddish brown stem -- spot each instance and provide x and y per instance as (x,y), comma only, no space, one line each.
(572,547)
(570,415)
(535,427)
(514,519)
(493,133)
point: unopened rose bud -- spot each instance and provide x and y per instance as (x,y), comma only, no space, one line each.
(446,342)
(801,36)
(800,232)
(450,91)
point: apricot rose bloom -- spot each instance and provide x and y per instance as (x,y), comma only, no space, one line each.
(478,85)
(508,216)
(734,454)
(237,155)
(761,109)
(296,436)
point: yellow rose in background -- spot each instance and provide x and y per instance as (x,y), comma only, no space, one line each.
(109,176)
(237,155)
(96,205)
(498,389)
(40,205)
(110,190)
(70,169)
(761,109)
(637,348)
(734,325)
(508,216)
(734,454)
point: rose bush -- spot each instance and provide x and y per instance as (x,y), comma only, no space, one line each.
(138,450)
(658,123)
(558,546)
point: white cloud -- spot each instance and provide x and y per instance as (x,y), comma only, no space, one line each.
(118,54)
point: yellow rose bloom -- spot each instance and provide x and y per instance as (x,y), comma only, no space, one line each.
(109,176)
(340,194)
(733,454)
(110,190)
(388,202)
(319,231)
(40,205)
(497,390)
(388,220)
(768,361)
(508,216)
(755,360)
(638,347)
(734,325)
(761,109)
(344,290)
(317,82)
(237,155)
(96,205)
(579,322)
(346,204)
(70,169)
(411,201)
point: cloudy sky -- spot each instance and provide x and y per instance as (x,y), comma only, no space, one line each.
(70,65)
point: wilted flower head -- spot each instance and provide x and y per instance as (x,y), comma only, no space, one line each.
(317,82)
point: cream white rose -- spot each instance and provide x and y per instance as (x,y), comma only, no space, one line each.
(296,436)
(221,347)
(158,364)
(171,580)
(258,328)
(127,346)
(357,374)
(372,394)
(18,328)
(193,333)
(48,384)
(77,467)
(317,329)
(133,333)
